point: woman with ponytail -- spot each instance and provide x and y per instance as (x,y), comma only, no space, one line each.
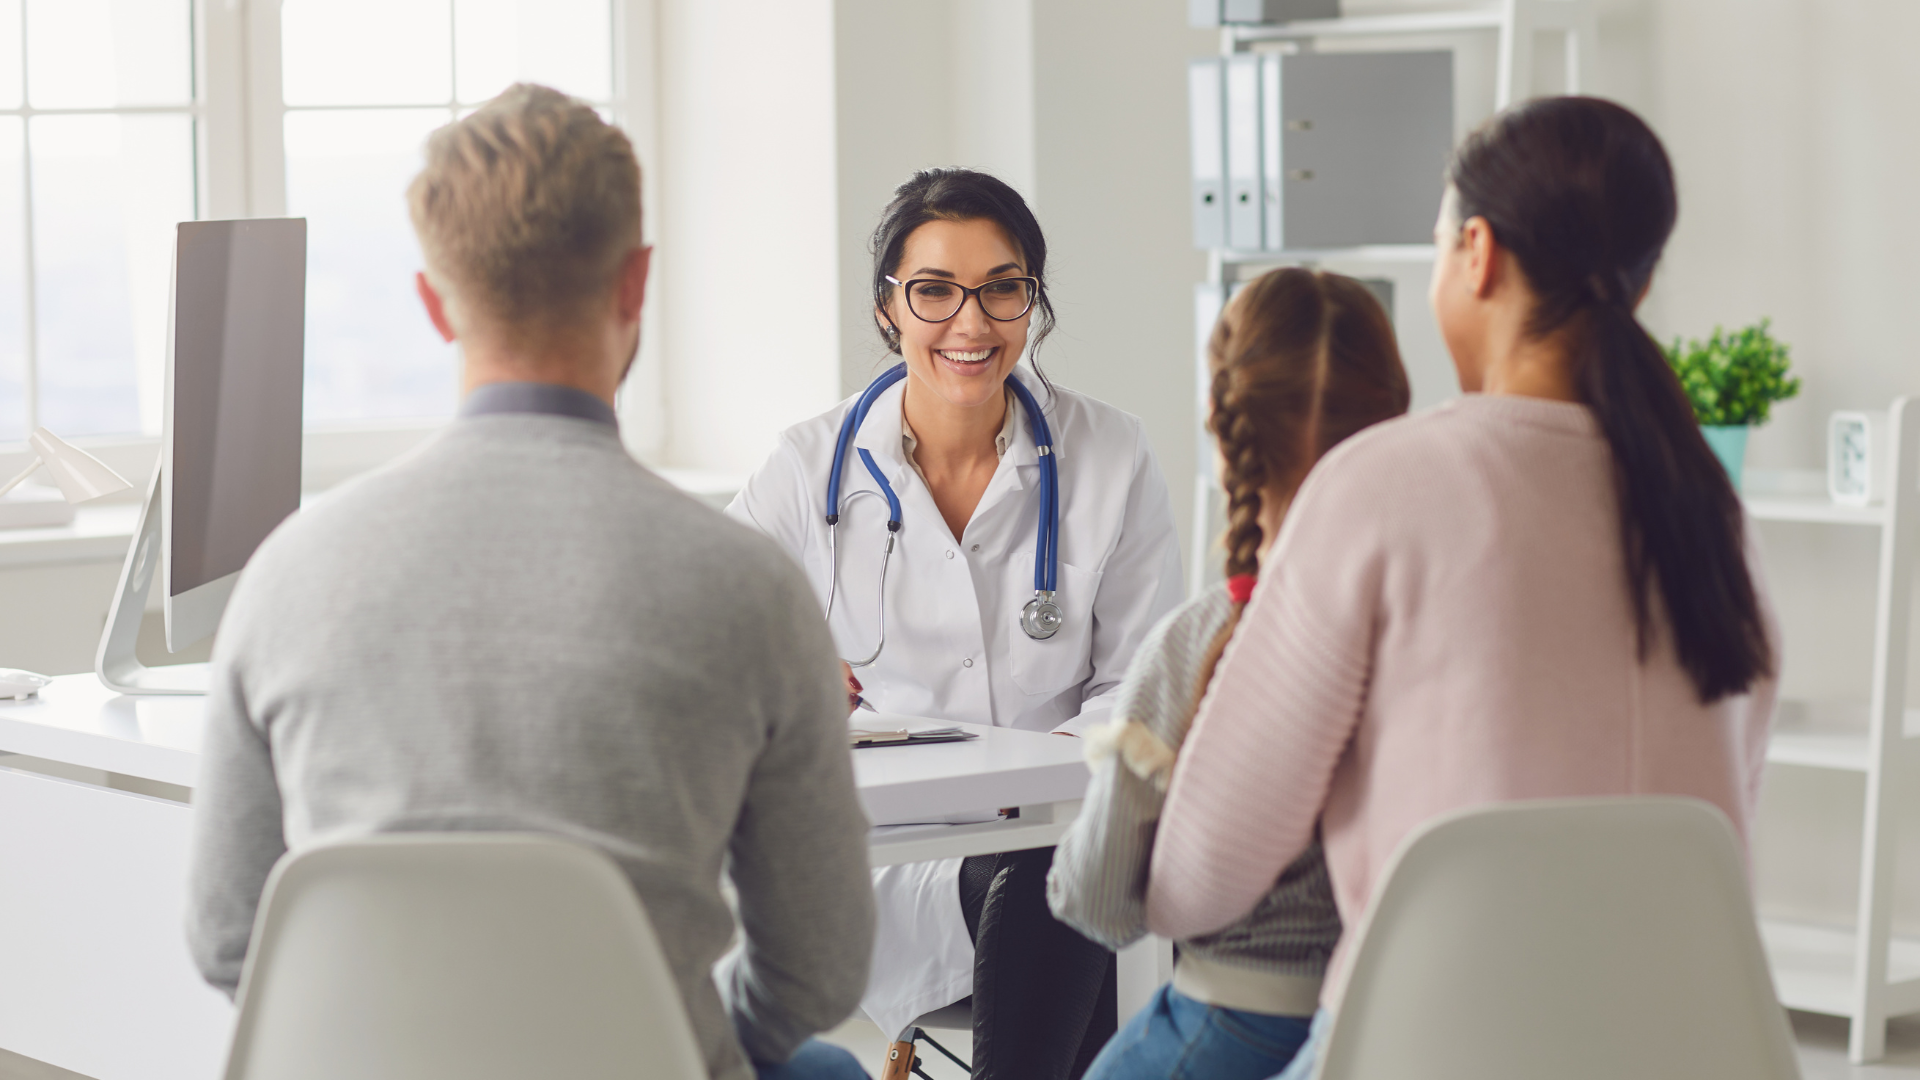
(1540,590)
(1300,360)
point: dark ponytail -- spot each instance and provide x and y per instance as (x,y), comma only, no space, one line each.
(1580,191)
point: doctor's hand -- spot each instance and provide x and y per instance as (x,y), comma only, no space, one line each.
(853,686)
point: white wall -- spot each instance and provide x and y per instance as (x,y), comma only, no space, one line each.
(920,85)
(1111,188)
(746,234)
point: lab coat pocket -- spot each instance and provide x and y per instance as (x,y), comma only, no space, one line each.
(1066,658)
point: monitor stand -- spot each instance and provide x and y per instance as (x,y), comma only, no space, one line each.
(116,663)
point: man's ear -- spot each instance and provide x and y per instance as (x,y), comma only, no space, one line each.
(436,307)
(632,290)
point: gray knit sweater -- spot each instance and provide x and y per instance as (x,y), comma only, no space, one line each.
(519,628)
(1271,961)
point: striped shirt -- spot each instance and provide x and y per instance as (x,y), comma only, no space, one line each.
(1269,961)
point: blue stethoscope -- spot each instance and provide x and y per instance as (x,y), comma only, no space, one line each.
(1041,618)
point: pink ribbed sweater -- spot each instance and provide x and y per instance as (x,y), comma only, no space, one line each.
(1442,622)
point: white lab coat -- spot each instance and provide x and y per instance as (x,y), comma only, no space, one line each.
(955,649)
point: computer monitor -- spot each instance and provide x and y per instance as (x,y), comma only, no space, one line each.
(229,469)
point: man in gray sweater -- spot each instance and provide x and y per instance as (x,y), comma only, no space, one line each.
(518,627)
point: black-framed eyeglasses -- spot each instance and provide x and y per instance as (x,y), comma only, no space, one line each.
(936,300)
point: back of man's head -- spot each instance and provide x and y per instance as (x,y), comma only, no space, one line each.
(526,210)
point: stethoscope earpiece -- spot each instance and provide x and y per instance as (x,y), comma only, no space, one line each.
(1042,617)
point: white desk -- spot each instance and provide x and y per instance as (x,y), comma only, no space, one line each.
(94,972)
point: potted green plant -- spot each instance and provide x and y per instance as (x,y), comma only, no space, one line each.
(1733,379)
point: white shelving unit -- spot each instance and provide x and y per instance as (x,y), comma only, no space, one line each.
(1865,974)
(1517,22)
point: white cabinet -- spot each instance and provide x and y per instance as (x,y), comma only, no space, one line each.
(1866,974)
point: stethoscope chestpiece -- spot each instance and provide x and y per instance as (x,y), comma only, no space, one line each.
(1041,618)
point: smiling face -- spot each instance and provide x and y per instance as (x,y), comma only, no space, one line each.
(966,359)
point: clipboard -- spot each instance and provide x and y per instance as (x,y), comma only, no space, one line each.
(893,729)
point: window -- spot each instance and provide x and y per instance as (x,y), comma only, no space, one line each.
(356,108)
(97,163)
(119,118)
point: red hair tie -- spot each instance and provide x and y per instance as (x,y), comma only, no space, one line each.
(1240,587)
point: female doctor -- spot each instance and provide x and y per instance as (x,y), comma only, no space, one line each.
(989,549)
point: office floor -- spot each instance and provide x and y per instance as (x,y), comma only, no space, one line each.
(1823,1052)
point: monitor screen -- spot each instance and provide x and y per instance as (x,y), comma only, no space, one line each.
(234,422)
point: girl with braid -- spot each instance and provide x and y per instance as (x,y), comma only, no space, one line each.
(1300,361)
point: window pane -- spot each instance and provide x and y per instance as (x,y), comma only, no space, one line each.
(13,285)
(366,52)
(370,350)
(89,53)
(10,55)
(107,192)
(565,44)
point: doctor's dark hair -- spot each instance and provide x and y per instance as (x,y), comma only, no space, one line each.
(959,195)
(1300,360)
(1581,193)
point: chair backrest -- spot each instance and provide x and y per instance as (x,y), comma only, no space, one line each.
(472,956)
(1571,939)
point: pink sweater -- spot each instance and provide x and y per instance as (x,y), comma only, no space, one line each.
(1443,622)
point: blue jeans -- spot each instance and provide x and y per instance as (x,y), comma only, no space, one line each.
(1309,1054)
(815,1060)
(1178,1038)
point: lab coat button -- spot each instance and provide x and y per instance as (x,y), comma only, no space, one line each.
(949,554)
(968,662)
(975,547)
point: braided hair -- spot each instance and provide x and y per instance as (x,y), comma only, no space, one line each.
(1300,360)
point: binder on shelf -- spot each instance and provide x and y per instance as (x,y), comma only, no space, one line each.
(1272,164)
(1244,197)
(1228,12)
(1364,143)
(1205,94)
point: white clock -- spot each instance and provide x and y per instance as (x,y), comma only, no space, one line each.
(1857,457)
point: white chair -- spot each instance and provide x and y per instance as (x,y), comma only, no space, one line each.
(1571,939)
(456,957)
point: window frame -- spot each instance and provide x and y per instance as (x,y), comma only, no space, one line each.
(194,108)
(240,172)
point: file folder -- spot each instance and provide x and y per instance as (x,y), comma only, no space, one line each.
(1205,92)
(1365,139)
(1272,162)
(1244,195)
(1225,12)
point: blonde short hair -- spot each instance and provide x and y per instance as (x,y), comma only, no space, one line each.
(527,207)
